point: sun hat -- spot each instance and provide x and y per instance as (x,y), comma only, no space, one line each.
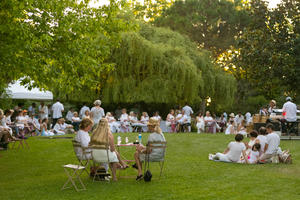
(231,115)
(273,101)
(97,102)
(153,122)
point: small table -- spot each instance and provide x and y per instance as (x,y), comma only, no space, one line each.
(125,145)
(73,172)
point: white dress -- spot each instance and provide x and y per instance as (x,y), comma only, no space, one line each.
(200,124)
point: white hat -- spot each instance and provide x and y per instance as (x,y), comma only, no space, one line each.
(288,99)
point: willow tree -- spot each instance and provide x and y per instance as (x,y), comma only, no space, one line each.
(157,65)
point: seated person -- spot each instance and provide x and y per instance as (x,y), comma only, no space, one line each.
(182,121)
(262,139)
(156,116)
(253,155)
(3,122)
(271,146)
(112,122)
(135,123)
(86,114)
(62,128)
(83,138)
(102,135)
(155,154)
(44,130)
(242,128)
(233,152)
(253,135)
(76,121)
(230,128)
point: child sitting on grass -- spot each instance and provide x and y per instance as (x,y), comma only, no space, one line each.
(233,151)
(253,155)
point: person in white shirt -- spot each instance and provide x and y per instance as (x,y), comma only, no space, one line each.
(112,122)
(253,155)
(238,119)
(76,121)
(271,146)
(272,106)
(59,129)
(43,111)
(170,121)
(135,123)
(289,112)
(248,118)
(86,114)
(84,139)
(144,120)
(156,116)
(183,121)
(69,115)
(262,139)
(97,113)
(230,128)
(124,120)
(233,152)
(57,110)
(83,110)
(210,123)
(200,123)
(188,110)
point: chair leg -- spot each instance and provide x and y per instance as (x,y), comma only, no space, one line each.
(161,164)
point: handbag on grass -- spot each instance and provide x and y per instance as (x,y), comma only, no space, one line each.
(148,174)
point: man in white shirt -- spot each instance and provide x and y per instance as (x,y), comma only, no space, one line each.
(32,108)
(83,109)
(271,145)
(57,110)
(188,110)
(289,112)
(233,152)
(238,119)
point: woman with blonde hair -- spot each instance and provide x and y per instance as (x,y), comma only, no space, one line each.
(103,138)
(157,153)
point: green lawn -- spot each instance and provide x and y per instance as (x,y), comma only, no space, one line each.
(188,174)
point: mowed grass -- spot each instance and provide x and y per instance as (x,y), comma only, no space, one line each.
(188,174)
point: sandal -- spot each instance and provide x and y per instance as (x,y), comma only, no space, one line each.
(140,177)
(134,166)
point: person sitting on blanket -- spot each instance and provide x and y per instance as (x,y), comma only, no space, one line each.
(233,152)
(271,146)
(155,136)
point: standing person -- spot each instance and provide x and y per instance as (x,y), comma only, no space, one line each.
(188,112)
(124,120)
(248,118)
(170,121)
(32,109)
(43,111)
(57,110)
(210,123)
(200,123)
(271,146)
(83,109)
(97,113)
(289,112)
(238,119)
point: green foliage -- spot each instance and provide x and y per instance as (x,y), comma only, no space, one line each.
(157,65)
(212,24)
(63,46)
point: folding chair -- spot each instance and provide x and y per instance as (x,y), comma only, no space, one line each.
(84,159)
(100,160)
(160,159)
(73,172)
(19,143)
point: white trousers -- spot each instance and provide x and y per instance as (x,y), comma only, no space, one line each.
(221,157)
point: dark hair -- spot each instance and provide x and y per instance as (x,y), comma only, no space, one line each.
(262,131)
(270,126)
(45,119)
(7,111)
(239,137)
(253,133)
(257,146)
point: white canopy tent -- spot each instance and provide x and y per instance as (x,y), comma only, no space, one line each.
(17,91)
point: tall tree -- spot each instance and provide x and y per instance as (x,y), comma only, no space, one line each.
(212,24)
(63,46)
